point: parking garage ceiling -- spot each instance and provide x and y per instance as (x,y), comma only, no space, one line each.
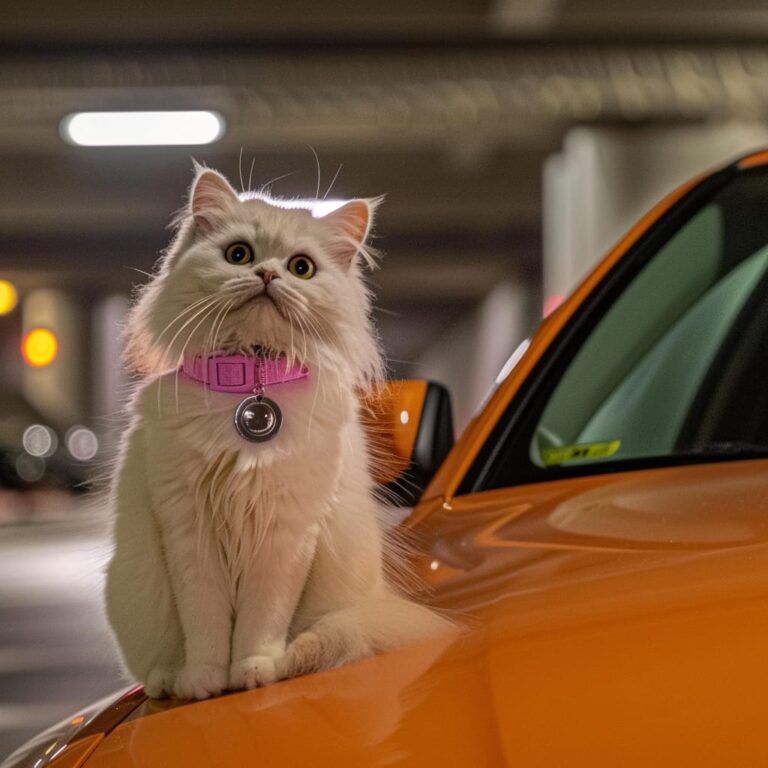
(145,21)
(448,106)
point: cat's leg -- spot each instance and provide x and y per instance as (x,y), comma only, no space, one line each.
(348,611)
(203,604)
(139,600)
(267,597)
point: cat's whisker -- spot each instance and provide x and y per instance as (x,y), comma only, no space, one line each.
(319,369)
(188,322)
(264,188)
(209,348)
(291,348)
(211,339)
(318,386)
(208,312)
(237,283)
(291,352)
(140,271)
(295,318)
(333,181)
(294,295)
(164,354)
(221,322)
(191,308)
(306,328)
(250,173)
(321,335)
(214,308)
(317,163)
(188,308)
(306,311)
(240,168)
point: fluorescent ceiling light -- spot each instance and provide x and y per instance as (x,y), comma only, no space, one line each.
(133,129)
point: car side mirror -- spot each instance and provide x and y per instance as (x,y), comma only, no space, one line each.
(410,430)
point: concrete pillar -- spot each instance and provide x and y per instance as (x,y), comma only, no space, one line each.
(468,357)
(59,391)
(110,382)
(605,179)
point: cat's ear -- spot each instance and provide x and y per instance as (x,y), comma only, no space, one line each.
(210,197)
(349,227)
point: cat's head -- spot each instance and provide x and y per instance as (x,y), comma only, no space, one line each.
(246,272)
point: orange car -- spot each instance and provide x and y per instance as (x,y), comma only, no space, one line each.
(601,527)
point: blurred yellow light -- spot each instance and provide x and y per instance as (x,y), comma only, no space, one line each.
(39,347)
(8,297)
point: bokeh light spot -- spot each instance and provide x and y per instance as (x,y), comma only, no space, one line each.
(30,468)
(39,440)
(9,297)
(82,443)
(39,347)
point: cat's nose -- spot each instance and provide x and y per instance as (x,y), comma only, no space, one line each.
(266,275)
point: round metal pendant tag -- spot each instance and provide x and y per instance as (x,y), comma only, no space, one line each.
(258,418)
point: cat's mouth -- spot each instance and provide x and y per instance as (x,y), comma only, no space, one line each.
(253,298)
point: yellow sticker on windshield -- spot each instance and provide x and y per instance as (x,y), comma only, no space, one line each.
(555,455)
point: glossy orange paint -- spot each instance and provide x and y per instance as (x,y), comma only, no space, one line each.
(391,415)
(76,754)
(755,159)
(617,619)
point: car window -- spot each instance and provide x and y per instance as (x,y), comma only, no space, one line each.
(634,380)
(664,373)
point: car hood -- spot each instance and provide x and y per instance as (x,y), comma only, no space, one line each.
(617,619)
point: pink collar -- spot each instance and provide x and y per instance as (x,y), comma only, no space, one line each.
(241,373)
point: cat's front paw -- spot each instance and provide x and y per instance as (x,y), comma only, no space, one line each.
(160,682)
(252,672)
(200,681)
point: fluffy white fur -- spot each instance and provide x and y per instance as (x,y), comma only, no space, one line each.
(237,564)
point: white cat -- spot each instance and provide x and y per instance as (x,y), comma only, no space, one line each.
(239,563)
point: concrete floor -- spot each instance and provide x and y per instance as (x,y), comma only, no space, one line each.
(56,651)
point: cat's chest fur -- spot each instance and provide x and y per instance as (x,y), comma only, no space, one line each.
(205,478)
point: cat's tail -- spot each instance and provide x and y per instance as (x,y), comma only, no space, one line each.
(374,625)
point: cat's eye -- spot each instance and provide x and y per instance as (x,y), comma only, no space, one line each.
(301,266)
(239,253)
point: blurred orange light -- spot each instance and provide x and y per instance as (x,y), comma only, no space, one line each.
(79,720)
(39,347)
(8,297)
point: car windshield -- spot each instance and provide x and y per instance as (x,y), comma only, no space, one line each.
(674,368)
